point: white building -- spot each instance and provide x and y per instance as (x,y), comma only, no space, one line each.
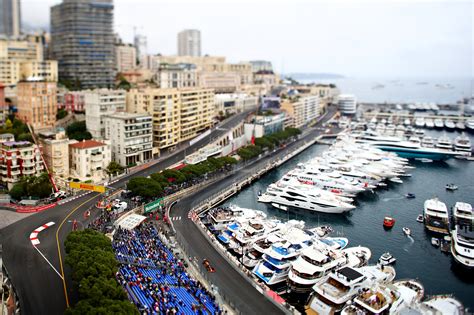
(125,57)
(233,103)
(130,136)
(88,160)
(302,109)
(189,43)
(99,103)
(264,125)
(181,75)
(347,104)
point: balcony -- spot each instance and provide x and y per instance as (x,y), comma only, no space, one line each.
(28,163)
(16,172)
(29,172)
(97,158)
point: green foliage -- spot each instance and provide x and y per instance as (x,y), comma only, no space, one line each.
(249,152)
(15,127)
(38,187)
(174,176)
(78,131)
(114,168)
(61,114)
(264,142)
(25,137)
(123,83)
(268,141)
(92,260)
(145,187)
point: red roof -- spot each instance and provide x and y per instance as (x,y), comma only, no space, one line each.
(86,144)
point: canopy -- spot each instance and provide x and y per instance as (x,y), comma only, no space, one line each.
(129,222)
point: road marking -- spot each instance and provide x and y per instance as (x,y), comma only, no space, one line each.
(34,235)
(48,262)
(59,247)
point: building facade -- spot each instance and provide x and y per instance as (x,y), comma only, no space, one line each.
(347,104)
(99,103)
(55,146)
(37,103)
(178,114)
(189,43)
(130,137)
(88,160)
(18,159)
(264,125)
(125,58)
(10,13)
(261,65)
(233,103)
(221,82)
(74,102)
(82,40)
(181,75)
(302,109)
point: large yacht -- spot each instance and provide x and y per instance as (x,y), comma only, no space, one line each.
(429,123)
(406,149)
(462,245)
(462,143)
(217,219)
(438,123)
(470,125)
(377,299)
(318,261)
(244,235)
(449,124)
(419,122)
(333,291)
(463,214)
(444,142)
(436,217)
(294,196)
(276,260)
(440,305)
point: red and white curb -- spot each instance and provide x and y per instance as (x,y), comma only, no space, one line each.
(34,235)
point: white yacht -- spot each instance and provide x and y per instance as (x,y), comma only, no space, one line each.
(331,293)
(309,199)
(449,124)
(436,216)
(429,123)
(244,235)
(219,218)
(407,122)
(462,143)
(460,125)
(470,125)
(318,261)
(427,142)
(462,245)
(318,179)
(438,123)
(463,214)
(440,305)
(276,260)
(419,122)
(377,299)
(444,143)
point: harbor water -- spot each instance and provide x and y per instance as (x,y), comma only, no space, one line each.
(416,256)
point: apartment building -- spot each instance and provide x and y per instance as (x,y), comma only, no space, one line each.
(88,160)
(233,103)
(55,148)
(20,49)
(178,114)
(221,82)
(130,137)
(189,43)
(181,75)
(125,57)
(302,109)
(82,40)
(37,103)
(18,159)
(99,103)
(74,102)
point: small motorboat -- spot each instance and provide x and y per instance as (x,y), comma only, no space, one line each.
(406,231)
(388,222)
(434,241)
(451,187)
(419,218)
(259,193)
(396,180)
(424,160)
(410,195)
(387,259)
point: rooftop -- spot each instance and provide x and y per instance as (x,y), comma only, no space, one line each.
(86,144)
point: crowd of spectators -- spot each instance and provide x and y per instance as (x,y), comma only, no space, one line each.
(155,278)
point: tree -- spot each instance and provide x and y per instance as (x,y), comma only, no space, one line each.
(145,187)
(25,137)
(61,114)
(114,168)
(18,191)
(78,131)
(123,83)
(8,124)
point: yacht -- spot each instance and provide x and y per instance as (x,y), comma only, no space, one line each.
(411,290)
(436,217)
(390,129)
(438,305)
(406,149)
(276,260)
(419,122)
(462,245)
(449,124)
(217,219)
(429,123)
(470,125)
(438,123)
(463,214)
(444,143)
(462,143)
(427,142)
(244,235)
(407,122)
(331,293)
(460,125)
(295,196)
(318,261)
(318,179)
(377,299)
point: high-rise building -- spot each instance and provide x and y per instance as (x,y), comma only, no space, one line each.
(189,43)
(82,40)
(37,103)
(10,13)
(99,103)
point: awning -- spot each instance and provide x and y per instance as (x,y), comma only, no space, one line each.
(129,222)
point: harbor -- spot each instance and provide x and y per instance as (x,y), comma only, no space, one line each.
(416,256)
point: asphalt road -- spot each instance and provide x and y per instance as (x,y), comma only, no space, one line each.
(38,285)
(230,283)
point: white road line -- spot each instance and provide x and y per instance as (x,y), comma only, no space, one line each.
(48,261)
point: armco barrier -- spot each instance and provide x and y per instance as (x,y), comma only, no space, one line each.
(28,209)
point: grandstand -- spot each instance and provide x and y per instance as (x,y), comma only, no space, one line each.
(154,278)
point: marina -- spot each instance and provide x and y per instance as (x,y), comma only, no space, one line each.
(415,256)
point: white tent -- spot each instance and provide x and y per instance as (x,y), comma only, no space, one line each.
(130,221)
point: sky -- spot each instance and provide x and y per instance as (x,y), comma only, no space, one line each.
(356,38)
